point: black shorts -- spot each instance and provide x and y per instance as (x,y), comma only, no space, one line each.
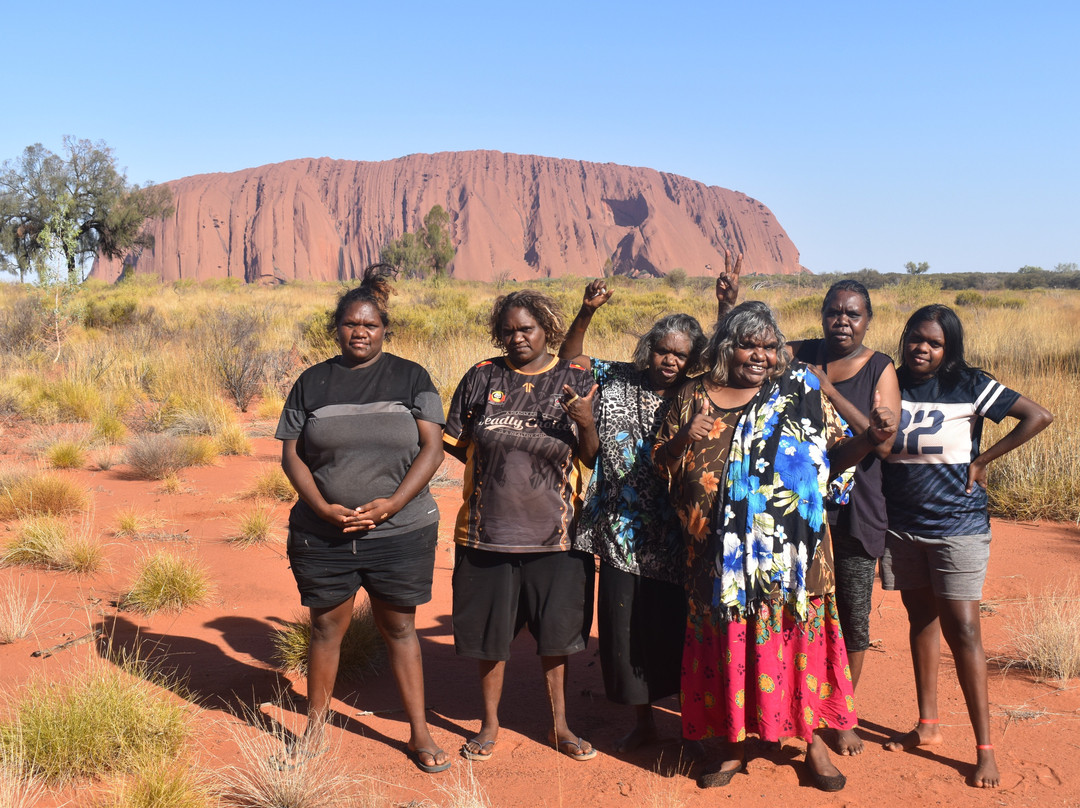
(497,594)
(394,569)
(855,570)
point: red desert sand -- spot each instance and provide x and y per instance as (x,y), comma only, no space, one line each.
(224,648)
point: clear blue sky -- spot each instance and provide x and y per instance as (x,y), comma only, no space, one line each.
(877,133)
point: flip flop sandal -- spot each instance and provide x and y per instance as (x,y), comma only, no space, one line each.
(434,768)
(480,754)
(565,748)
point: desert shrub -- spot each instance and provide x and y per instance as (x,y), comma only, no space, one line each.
(41,493)
(969,297)
(19,613)
(166,582)
(255,527)
(317,338)
(234,350)
(271,483)
(362,650)
(1046,633)
(46,541)
(101,721)
(156,457)
(676,278)
(66,454)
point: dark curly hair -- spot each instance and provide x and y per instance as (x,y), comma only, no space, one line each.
(682,324)
(374,288)
(541,308)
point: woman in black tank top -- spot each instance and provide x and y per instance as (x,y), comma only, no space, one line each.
(863,378)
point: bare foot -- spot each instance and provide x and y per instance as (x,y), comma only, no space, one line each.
(638,737)
(986,770)
(922,735)
(848,743)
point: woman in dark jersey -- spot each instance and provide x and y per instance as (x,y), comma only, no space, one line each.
(523,423)
(864,378)
(361,437)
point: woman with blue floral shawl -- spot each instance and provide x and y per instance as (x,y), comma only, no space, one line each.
(750,449)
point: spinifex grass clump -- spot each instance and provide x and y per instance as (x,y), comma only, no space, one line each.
(255,527)
(34,494)
(47,541)
(1046,634)
(66,454)
(17,790)
(362,650)
(154,784)
(166,582)
(271,483)
(97,722)
(320,782)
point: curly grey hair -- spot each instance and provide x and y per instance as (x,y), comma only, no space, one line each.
(683,324)
(750,320)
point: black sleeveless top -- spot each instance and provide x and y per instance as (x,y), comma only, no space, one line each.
(864,515)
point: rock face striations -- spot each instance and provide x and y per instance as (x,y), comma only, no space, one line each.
(511,216)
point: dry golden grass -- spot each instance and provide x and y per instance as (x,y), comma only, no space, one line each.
(1046,634)
(321,782)
(151,369)
(362,650)
(20,613)
(50,542)
(41,493)
(154,784)
(256,526)
(271,483)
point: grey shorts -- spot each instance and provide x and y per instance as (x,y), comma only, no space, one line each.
(954,567)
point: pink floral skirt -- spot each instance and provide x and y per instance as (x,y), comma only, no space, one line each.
(767,675)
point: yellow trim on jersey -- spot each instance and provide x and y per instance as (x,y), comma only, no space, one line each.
(545,369)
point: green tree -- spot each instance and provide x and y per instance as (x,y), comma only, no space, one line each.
(916,269)
(72,206)
(1065,266)
(428,251)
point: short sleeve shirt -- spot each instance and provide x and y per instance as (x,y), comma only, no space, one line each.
(356,430)
(521,479)
(939,434)
(628,519)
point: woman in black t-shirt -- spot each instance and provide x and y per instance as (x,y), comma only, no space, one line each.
(362,436)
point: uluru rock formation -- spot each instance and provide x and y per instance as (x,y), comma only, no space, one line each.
(511,216)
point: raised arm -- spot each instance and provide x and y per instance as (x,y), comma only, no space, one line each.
(1032,419)
(596,295)
(727,286)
